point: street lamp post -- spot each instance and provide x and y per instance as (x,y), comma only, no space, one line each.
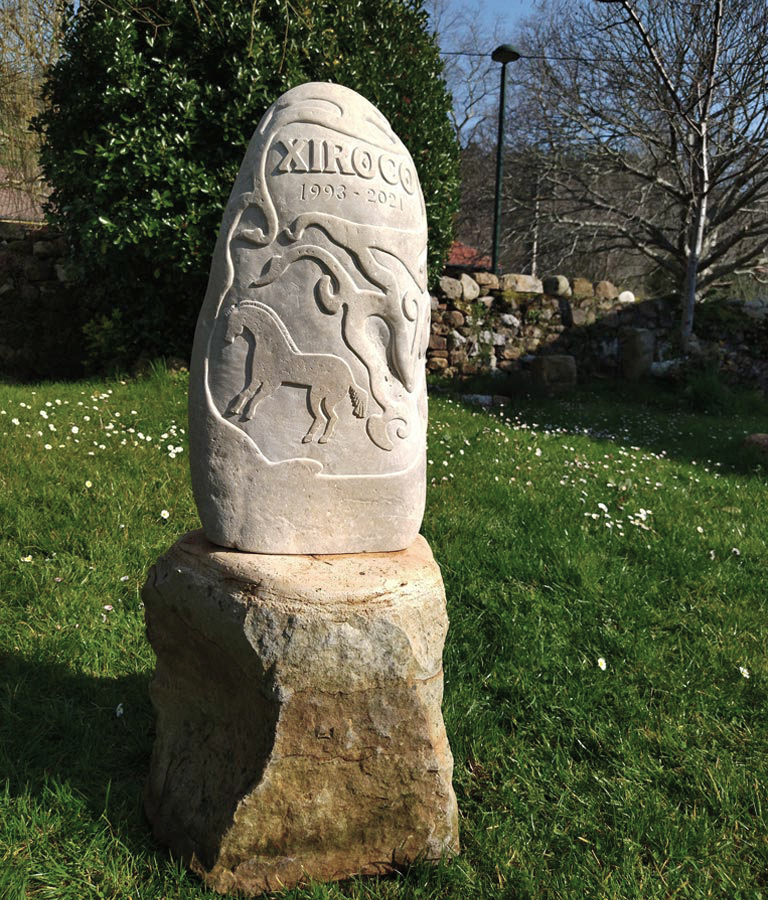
(503,54)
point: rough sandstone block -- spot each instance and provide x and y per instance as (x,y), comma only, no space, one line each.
(557,286)
(523,284)
(299,730)
(606,290)
(636,349)
(438,342)
(487,280)
(510,320)
(450,287)
(470,289)
(583,287)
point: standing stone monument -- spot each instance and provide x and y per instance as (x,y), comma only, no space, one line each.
(299,634)
(308,394)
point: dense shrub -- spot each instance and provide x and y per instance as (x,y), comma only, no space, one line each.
(150,109)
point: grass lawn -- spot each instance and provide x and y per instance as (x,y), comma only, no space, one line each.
(605,564)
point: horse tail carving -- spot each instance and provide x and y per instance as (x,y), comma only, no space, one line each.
(359,400)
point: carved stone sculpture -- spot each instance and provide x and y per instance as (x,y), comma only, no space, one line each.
(298,686)
(307,395)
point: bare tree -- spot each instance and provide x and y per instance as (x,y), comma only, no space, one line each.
(658,113)
(528,242)
(467,39)
(29,41)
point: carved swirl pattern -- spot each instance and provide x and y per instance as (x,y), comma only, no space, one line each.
(390,285)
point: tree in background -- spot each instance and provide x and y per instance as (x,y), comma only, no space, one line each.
(466,43)
(656,116)
(530,242)
(467,40)
(142,153)
(29,32)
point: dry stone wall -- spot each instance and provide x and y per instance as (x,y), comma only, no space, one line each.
(32,261)
(39,330)
(482,323)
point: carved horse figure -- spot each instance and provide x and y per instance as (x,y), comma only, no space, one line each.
(275,360)
(405,313)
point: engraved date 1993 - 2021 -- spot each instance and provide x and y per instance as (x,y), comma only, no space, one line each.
(309,191)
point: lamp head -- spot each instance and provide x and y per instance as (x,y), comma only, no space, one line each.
(504,54)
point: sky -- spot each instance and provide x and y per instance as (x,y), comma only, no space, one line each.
(481,26)
(509,10)
(494,21)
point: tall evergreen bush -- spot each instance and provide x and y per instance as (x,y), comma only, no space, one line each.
(149,111)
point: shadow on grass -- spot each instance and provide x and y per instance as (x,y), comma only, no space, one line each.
(63,744)
(90,735)
(656,418)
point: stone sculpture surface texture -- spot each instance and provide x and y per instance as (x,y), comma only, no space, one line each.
(307,391)
(298,714)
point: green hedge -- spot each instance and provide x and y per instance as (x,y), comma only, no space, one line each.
(150,109)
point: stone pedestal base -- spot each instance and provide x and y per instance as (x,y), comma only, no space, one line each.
(299,729)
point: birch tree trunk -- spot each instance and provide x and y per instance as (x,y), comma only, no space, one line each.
(659,110)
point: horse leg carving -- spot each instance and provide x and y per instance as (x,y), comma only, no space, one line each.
(318,417)
(264,390)
(237,403)
(333,417)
